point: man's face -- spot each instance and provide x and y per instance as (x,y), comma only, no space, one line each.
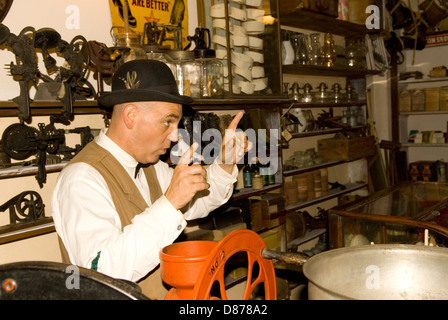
(155,129)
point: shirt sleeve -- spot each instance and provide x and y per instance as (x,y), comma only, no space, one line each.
(89,226)
(220,191)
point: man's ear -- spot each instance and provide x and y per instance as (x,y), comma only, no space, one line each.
(130,113)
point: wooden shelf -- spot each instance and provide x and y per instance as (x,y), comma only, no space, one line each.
(50,107)
(310,105)
(241,102)
(423,80)
(249,192)
(309,235)
(288,173)
(331,194)
(421,113)
(309,20)
(323,132)
(424,145)
(26,230)
(326,71)
(23,171)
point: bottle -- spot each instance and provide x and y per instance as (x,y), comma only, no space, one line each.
(257,182)
(300,49)
(264,172)
(271,174)
(329,52)
(211,76)
(247,176)
(315,52)
(255,169)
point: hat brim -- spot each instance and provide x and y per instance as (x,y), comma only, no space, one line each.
(109,99)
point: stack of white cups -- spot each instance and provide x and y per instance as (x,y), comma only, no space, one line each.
(245,23)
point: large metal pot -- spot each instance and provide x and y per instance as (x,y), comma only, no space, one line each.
(387,272)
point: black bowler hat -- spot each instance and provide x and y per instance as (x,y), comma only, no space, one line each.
(143,80)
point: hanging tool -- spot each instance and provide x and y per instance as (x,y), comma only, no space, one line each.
(25,70)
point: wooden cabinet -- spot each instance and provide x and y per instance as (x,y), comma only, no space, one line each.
(338,169)
(399,214)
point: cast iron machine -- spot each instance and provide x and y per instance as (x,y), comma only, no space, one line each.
(20,142)
(25,70)
(203,265)
(25,207)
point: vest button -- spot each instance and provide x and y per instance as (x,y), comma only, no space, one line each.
(179,227)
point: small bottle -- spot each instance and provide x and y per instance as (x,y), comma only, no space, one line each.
(255,168)
(247,176)
(257,181)
(329,51)
(271,174)
(264,172)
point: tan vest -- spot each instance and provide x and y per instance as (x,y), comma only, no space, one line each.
(127,200)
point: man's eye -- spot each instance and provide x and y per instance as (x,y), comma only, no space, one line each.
(167,123)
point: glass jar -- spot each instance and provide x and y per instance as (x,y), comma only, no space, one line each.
(321,96)
(160,53)
(329,51)
(350,93)
(187,71)
(299,42)
(355,53)
(130,46)
(337,95)
(315,51)
(307,94)
(295,91)
(211,74)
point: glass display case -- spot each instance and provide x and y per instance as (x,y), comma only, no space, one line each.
(245,36)
(410,213)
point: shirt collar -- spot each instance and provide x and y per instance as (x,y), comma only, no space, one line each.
(126,160)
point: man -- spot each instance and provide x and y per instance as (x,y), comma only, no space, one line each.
(112,216)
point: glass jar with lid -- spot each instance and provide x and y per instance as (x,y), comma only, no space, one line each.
(307,94)
(322,95)
(211,74)
(187,71)
(337,95)
(160,53)
(130,46)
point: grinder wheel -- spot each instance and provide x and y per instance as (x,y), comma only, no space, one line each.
(30,206)
(260,270)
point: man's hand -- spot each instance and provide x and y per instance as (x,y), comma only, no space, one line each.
(187,180)
(234,145)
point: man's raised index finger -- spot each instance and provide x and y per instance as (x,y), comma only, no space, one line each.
(186,157)
(234,124)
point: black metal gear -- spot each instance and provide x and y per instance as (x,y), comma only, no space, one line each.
(19,141)
(29,206)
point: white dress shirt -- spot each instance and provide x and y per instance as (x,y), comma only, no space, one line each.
(88,224)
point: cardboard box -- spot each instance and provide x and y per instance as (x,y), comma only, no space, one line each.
(418,100)
(432,99)
(443,103)
(404,100)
